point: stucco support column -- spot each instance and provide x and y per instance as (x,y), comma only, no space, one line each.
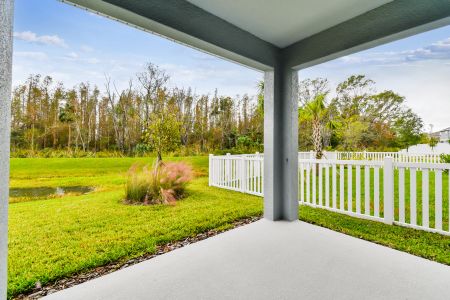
(6,23)
(281,144)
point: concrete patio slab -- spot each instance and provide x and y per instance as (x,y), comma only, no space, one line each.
(274,260)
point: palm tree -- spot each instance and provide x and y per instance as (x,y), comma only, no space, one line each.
(317,112)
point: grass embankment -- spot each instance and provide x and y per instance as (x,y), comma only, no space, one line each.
(53,238)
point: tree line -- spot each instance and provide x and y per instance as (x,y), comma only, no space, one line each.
(148,116)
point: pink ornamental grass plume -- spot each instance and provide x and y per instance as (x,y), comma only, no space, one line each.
(163,183)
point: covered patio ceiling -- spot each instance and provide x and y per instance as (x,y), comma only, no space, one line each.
(282,23)
(255,33)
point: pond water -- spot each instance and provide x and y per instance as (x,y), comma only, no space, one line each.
(40,192)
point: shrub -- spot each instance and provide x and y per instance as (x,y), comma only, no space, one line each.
(62,153)
(164,183)
(141,149)
(445,158)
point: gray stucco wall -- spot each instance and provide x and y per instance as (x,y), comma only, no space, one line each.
(6,21)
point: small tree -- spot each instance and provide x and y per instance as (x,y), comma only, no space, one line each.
(163,131)
(433,142)
(408,128)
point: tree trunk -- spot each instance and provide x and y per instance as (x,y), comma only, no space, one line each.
(159,158)
(68,142)
(32,137)
(317,139)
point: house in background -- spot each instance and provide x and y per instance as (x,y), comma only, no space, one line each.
(443,135)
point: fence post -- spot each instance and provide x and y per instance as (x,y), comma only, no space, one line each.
(311,154)
(210,172)
(388,191)
(243,174)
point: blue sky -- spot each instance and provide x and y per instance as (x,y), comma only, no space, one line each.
(72,45)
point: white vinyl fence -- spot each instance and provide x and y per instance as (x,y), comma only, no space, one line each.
(377,156)
(365,155)
(243,173)
(411,194)
(396,156)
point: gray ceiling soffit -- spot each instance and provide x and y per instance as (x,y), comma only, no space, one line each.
(389,22)
(196,27)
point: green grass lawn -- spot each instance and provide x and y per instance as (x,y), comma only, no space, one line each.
(53,238)
(56,237)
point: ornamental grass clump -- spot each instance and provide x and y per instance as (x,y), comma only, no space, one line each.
(163,183)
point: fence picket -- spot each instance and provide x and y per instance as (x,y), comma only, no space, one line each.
(438,200)
(308,187)
(320,185)
(327,185)
(401,194)
(334,185)
(341,190)
(358,189)
(413,196)
(314,199)
(253,176)
(367,190)
(425,199)
(349,189)
(376,192)
(302,191)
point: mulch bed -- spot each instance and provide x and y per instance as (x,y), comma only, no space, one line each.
(41,291)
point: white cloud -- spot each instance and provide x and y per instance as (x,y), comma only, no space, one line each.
(204,78)
(92,60)
(436,51)
(31,55)
(75,57)
(72,55)
(86,48)
(32,37)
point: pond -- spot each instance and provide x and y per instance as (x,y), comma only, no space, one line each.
(41,192)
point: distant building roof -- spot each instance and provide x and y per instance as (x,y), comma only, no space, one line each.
(443,130)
